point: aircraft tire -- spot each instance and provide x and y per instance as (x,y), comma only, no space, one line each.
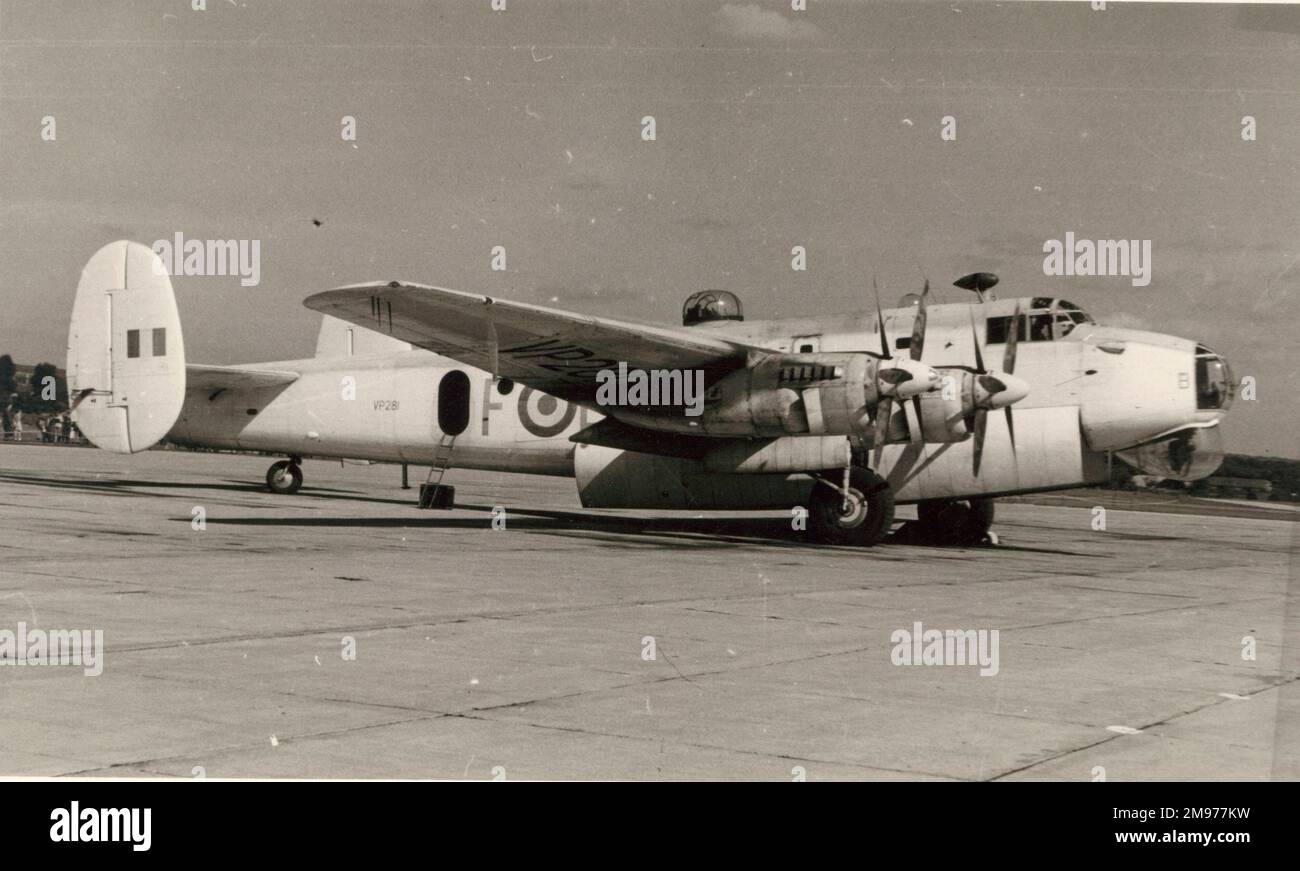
(284,477)
(866,523)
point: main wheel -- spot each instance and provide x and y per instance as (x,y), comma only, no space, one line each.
(284,477)
(863,519)
(956,522)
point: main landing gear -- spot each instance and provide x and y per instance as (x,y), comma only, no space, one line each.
(857,511)
(963,522)
(285,476)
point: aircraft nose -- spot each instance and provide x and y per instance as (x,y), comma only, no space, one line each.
(1013,390)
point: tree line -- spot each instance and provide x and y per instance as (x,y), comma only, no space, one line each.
(35,397)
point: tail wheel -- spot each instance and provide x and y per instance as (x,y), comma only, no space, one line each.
(956,522)
(862,519)
(284,477)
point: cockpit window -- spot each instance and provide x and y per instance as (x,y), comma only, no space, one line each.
(1040,328)
(1057,322)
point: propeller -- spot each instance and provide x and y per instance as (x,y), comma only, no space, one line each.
(995,389)
(902,379)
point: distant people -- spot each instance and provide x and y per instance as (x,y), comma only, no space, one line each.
(8,421)
(18,426)
(56,429)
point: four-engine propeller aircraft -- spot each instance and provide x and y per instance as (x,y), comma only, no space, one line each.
(843,415)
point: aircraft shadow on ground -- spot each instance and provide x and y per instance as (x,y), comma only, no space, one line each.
(697,532)
(131,487)
(715,532)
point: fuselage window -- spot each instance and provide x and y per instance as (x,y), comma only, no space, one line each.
(160,341)
(453,402)
(1040,328)
(996,331)
(133,343)
(999,329)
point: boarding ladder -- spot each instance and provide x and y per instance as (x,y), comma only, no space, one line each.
(441,463)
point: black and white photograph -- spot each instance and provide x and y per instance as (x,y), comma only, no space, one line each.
(649,390)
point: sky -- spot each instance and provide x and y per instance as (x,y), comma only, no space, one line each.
(773,128)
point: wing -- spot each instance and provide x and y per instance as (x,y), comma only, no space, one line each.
(554,351)
(201,377)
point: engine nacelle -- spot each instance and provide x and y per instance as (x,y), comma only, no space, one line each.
(797,394)
(944,420)
(945,415)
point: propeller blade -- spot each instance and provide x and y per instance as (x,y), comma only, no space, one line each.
(914,432)
(974,337)
(1011,429)
(1009,355)
(880,315)
(880,430)
(917,345)
(991,384)
(981,421)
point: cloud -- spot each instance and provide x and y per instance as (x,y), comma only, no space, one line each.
(754,23)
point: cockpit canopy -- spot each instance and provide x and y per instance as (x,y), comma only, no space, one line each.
(1046,319)
(711,305)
